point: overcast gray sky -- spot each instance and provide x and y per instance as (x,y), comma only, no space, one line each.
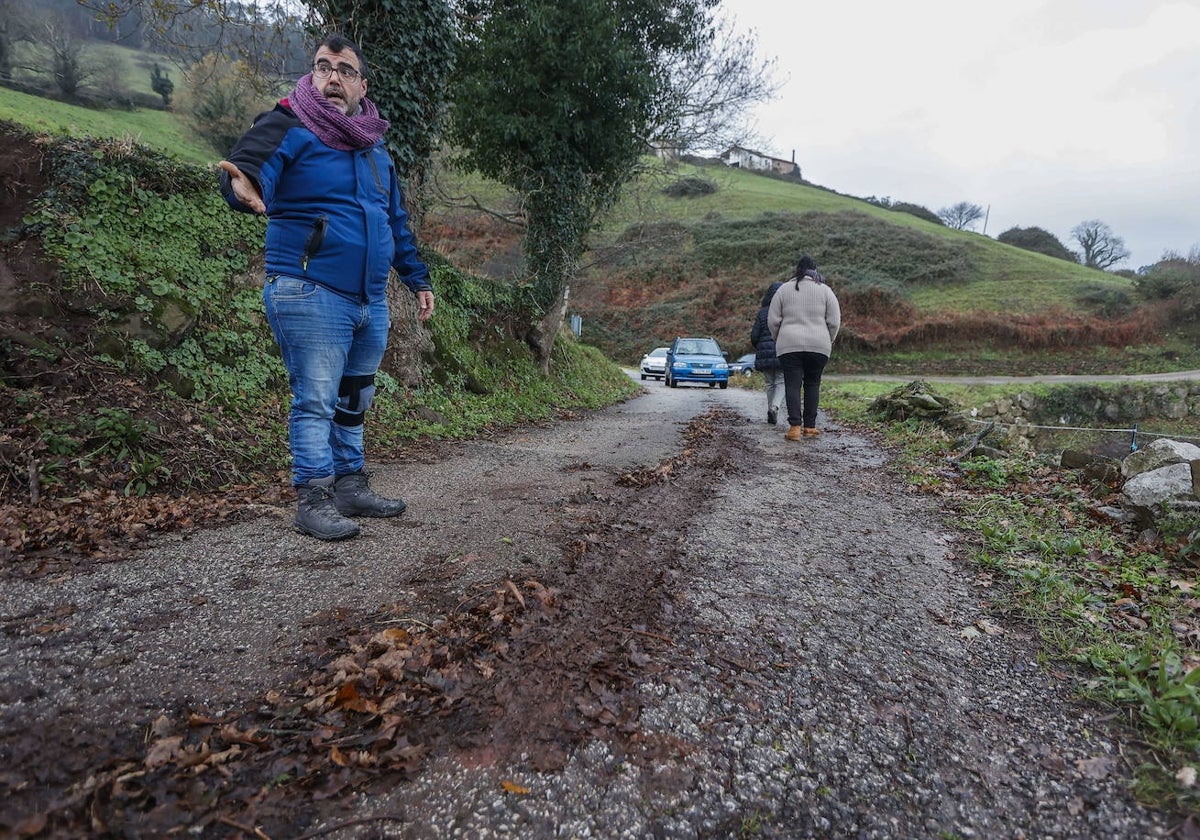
(1050,112)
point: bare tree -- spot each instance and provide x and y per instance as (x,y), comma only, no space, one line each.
(961,216)
(18,21)
(1101,248)
(8,31)
(267,36)
(67,59)
(712,89)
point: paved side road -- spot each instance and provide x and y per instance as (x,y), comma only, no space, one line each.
(814,678)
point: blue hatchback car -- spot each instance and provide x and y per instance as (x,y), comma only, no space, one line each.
(697,360)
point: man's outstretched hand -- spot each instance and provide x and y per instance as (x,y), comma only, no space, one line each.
(243,188)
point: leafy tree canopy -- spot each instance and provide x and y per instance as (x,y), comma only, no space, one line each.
(1036,239)
(555,98)
(917,210)
(410,47)
(1176,278)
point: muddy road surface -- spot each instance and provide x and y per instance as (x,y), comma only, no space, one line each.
(684,626)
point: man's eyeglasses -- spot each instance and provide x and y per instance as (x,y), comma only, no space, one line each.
(323,70)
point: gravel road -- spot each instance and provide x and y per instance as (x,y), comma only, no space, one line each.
(822,659)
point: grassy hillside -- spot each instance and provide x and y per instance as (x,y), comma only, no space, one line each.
(111,68)
(917,296)
(160,130)
(742,195)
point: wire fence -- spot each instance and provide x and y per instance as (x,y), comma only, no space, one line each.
(1086,437)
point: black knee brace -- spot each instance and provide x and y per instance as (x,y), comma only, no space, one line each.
(354,398)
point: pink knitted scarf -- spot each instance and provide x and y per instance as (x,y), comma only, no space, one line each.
(324,118)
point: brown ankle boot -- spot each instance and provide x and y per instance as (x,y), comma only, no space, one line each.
(794,433)
(811,431)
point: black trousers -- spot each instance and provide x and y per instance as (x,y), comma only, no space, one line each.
(802,386)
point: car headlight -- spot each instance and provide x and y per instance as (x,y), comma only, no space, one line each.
(720,367)
(680,365)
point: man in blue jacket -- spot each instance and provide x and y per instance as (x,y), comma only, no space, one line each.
(317,168)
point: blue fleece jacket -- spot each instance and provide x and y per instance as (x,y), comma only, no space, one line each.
(334,217)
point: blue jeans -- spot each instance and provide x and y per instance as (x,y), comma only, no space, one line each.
(775,388)
(331,346)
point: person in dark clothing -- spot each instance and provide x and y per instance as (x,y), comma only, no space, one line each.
(765,360)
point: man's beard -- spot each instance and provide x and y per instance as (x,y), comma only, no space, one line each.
(340,98)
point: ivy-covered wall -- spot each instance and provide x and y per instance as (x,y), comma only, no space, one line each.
(147,246)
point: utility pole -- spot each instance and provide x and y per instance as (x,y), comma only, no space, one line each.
(985,219)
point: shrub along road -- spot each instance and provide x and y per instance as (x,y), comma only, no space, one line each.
(661,619)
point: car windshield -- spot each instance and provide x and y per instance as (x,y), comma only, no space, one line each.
(657,352)
(698,347)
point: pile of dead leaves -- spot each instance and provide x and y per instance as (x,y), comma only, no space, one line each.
(74,490)
(102,525)
(367,713)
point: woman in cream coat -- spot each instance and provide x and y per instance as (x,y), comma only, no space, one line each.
(804,318)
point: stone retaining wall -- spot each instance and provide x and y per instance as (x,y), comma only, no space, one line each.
(1087,406)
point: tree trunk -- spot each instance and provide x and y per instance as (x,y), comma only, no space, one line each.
(544,332)
(408,339)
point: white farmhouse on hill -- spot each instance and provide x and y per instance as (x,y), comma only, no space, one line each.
(758,162)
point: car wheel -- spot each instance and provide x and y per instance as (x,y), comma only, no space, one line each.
(643,377)
(671,382)
(712,384)
(723,385)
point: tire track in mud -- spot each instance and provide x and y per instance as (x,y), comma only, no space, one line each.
(748,636)
(614,587)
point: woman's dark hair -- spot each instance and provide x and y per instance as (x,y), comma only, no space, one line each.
(340,43)
(806,265)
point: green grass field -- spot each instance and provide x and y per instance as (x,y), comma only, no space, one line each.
(160,130)
(1006,278)
(109,66)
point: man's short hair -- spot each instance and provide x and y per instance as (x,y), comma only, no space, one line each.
(340,43)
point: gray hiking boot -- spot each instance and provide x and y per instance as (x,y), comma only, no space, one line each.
(317,515)
(354,498)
